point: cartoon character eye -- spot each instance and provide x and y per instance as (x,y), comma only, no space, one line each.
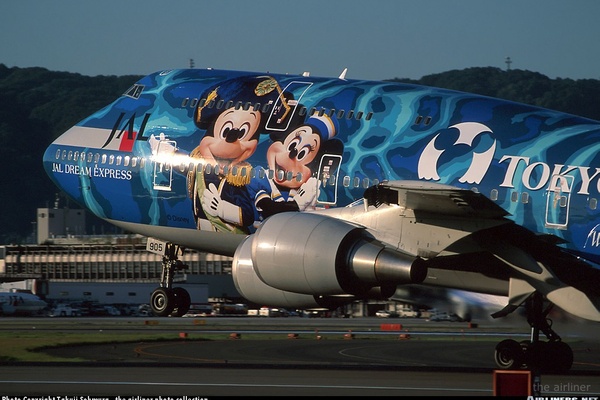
(304,152)
(297,152)
(243,131)
(224,132)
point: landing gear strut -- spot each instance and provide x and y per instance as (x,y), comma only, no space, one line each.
(167,300)
(538,356)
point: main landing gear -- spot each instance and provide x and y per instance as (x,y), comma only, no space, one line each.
(167,300)
(535,355)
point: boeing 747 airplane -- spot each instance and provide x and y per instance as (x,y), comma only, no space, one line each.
(329,190)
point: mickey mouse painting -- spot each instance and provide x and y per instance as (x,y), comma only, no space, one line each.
(295,159)
(233,116)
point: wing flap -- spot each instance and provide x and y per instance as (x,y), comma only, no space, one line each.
(434,198)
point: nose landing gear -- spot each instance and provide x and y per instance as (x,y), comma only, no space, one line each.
(167,300)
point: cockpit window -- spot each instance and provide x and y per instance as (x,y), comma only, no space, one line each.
(135,91)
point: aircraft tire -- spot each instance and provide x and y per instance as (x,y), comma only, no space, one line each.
(162,302)
(182,302)
(561,356)
(509,354)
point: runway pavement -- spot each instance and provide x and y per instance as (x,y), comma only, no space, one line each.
(303,357)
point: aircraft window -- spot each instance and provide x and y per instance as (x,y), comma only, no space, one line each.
(369,116)
(103,158)
(331,112)
(225,170)
(185,102)
(375,181)
(563,201)
(208,169)
(266,107)
(244,171)
(142,162)
(340,114)
(247,106)
(119,159)
(346,181)
(90,156)
(427,120)
(261,174)
(234,170)
(312,111)
(280,175)
(299,177)
(96,158)
(365,183)
(194,102)
(229,104)
(302,111)
(202,103)
(514,197)
(524,197)
(217,169)
(271,174)
(332,180)
(418,120)
(359,115)
(494,195)
(321,112)
(126,161)
(238,105)
(134,162)
(70,155)
(593,203)
(135,91)
(289,176)
(256,107)
(182,167)
(350,114)
(76,156)
(211,104)
(111,159)
(199,168)
(356,182)
(220,104)
(57,156)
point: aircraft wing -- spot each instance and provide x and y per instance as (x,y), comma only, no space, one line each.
(470,245)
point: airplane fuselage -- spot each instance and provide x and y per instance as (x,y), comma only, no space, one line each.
(139,160)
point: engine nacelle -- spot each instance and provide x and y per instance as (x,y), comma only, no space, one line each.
(316,255)
(253,289)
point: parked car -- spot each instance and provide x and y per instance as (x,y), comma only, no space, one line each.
(386,314)
(445,316)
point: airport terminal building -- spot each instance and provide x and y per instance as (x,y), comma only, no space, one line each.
(66,265)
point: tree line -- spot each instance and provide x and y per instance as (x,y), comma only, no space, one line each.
(37,105)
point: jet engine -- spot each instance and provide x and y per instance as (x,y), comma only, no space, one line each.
(308,260)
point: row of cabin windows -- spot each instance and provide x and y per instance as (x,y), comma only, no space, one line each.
(524,198)
(98,158)
(264,108)
(216,169)
(347,181)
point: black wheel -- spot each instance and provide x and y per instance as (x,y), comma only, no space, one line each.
(536,356)
(509,354)
(561,356)
(162,302)
(182,302)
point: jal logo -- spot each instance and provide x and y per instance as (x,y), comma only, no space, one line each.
(466,152)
